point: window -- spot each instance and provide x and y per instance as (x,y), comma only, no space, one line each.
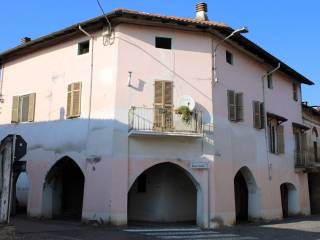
(295,91)
(235,106)
(315,144)
(258,115)
(142,183)
(229,57)
(270,81)
(74,100)
(23,108)
(163,105)
(300,145)
(162,42)
(276,137)
(83,47)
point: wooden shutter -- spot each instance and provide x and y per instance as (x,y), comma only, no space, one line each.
(262,118)
(158,105)
(168,95)
(163,103)
(158,93)
(280,139)
(31,107)
(74,100)
(256,115)
(69,101)
(168,90)
(232,106)
(239,108)
(15,109)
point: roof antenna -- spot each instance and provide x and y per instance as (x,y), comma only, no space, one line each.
(109,31)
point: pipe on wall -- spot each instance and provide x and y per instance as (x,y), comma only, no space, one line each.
(265,117)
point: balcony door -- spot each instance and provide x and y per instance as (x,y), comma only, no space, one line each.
(163,106)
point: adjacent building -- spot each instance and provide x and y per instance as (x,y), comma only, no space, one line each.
(309,159)
(146,119)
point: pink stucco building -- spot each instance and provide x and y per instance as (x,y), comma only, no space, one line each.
(113,136)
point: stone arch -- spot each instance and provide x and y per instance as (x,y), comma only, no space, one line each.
(63,190)
(247,196)
(165,184)
(289,199)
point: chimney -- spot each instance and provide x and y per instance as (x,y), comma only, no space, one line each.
(25,40)
(202,10)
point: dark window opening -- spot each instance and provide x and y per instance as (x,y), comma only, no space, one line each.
(229,57)
(83,47)
(142,183)
(270,81)
(162,42)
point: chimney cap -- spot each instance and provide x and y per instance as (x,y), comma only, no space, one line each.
(24,40)
(201,11)
(202,6)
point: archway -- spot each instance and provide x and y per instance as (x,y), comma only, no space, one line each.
(289,200)
(63,190)
(21,195)
(247,199)
(164,193)
(20,189)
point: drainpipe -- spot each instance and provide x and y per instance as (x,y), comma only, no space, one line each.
(1,82)
(91,77)
(266,120)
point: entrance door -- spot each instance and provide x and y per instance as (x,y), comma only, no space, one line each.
(241,198)
(284,200)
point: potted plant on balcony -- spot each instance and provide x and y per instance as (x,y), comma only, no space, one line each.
(186,114)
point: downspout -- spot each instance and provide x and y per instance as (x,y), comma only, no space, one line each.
(266,120)
(91,79)
(1,82)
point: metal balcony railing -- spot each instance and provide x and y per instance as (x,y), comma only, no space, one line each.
(306,159)
(163,121)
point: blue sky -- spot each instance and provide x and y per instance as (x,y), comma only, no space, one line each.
(286,28)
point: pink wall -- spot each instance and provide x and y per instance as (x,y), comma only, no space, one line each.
(122,159)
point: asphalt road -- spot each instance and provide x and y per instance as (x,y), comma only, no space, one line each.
(293,229)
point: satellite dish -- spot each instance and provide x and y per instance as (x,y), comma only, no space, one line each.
(187,101)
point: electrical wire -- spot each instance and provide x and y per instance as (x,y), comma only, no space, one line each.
(104,14)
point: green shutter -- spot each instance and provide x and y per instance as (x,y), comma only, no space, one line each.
(31,107)
(280,139)
(232,115)
(15,109)
(239,106)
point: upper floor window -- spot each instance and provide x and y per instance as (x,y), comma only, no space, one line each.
(258,114)
(300,143)
(229,57)
(295,91)
(83,47)
(315,144)
(235,106)
(163,105)
(276,134)
(74,100)
(270,81)
(163,42)
(23,108)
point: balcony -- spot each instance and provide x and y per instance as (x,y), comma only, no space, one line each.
(164,122)
(306,161)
